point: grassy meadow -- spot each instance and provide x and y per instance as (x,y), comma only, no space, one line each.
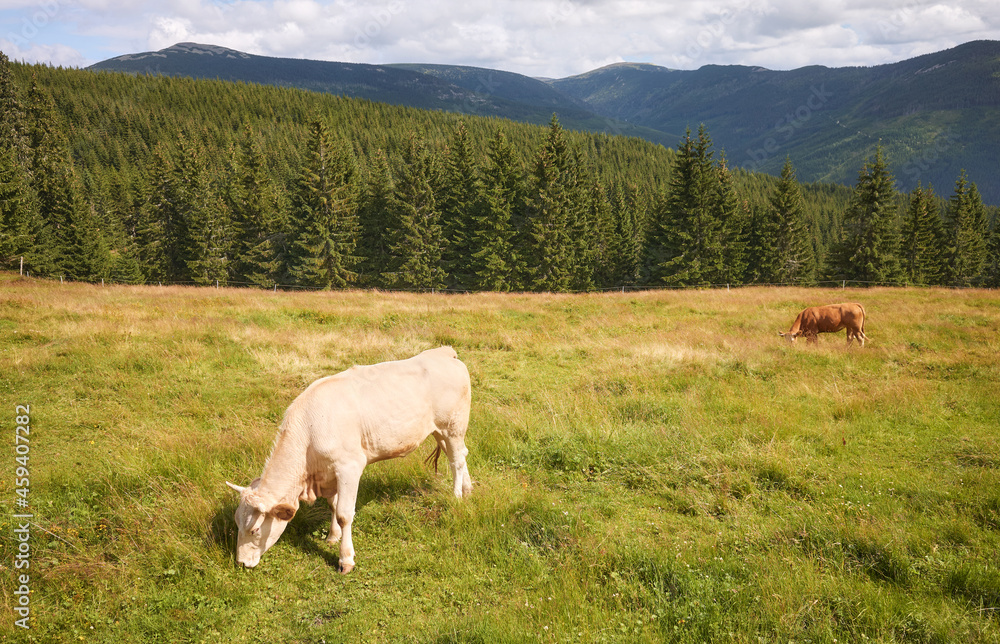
(648,467)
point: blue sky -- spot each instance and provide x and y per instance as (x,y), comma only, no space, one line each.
(553,38)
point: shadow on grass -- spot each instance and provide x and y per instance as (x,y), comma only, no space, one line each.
(310,526)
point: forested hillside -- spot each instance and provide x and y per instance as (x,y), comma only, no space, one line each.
(162,179)
(467,90)
(934,114)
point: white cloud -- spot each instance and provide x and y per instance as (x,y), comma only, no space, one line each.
(541,38)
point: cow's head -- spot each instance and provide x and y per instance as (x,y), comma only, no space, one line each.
(260,523)
(790,336)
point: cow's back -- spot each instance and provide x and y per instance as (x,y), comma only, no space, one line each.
(387,409)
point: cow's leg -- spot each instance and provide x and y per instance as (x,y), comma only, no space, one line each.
(335,530)
(457,451)
(348,480)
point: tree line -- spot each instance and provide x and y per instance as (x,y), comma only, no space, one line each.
(333,201)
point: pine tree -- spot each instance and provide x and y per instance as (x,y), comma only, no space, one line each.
(968,233)
(549,247)
(375,214)
(418,241)
(495,259)
(922,238)
(253,204)
(324,221)
(868,250)
(791,259)
(686,233)
(460,201)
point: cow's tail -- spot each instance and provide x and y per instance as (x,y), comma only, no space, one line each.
(434,456)
(864,320)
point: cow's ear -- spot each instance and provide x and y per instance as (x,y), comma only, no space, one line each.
(283,511)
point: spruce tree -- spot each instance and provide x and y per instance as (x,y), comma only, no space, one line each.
(922,238)
(968,231)
(868,250)
(68,239)
(125,267)
(323,230)
(585,218)
(16,211)
(375,215)
(253,205)
(205,246)
(418,241)
(685,246)
(628,245)
(991,270)
(12,117)
(549,247)
(733,218)
(461,198)
(49,183)
(495,265)
(604,242)
(792,258)
(157,235)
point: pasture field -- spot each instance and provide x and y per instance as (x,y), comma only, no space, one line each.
(649,467)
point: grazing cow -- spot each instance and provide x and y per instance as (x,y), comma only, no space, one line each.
(829,319)
(341,423)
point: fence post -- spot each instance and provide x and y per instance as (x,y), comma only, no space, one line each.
(22,265)
(843,285)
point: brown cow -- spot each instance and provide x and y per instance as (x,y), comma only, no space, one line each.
(829,319)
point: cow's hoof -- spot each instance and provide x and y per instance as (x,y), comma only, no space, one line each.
(346,568)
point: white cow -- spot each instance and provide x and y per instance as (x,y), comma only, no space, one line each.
(341,423)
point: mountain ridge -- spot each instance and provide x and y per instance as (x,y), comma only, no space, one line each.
(934,114)
(401,84)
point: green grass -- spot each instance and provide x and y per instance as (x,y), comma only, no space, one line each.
(649,467)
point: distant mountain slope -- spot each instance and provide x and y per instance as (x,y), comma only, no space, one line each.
(934,114)
(375,82)
(454,89)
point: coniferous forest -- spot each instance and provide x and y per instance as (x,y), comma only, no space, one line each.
(139,179)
